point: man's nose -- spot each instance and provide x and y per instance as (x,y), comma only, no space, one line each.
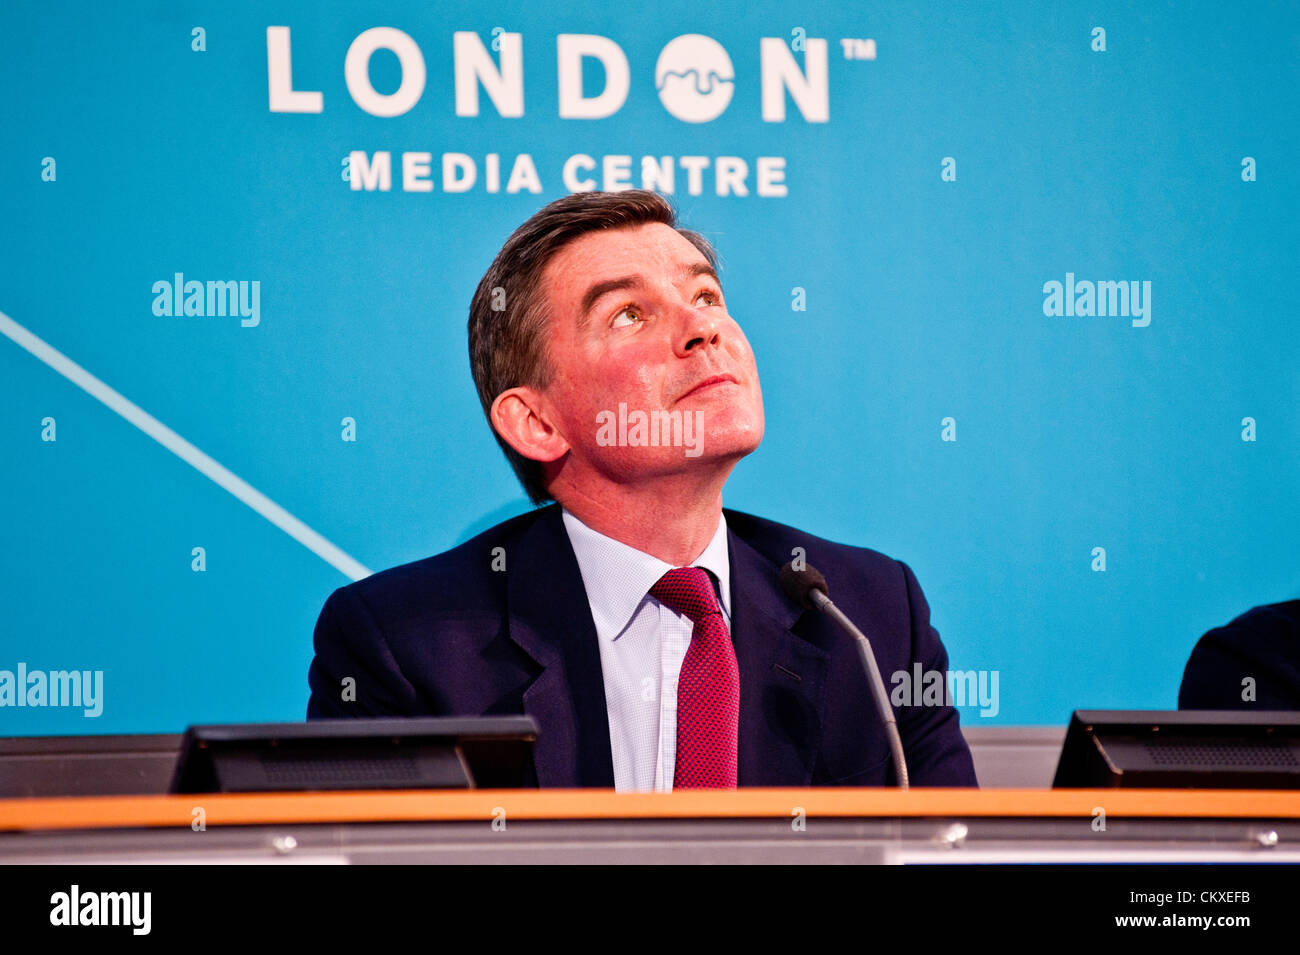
(698,328)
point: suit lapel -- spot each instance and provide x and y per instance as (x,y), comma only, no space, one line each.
(782,676)
(550,620)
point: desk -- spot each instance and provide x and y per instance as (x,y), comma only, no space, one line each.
(822,825)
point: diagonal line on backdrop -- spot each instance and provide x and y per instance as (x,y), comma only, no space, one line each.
(187,452)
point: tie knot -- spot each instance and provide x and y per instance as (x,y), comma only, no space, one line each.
(687,590)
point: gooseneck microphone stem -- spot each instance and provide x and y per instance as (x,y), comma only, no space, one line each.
(807,587)
(883,707)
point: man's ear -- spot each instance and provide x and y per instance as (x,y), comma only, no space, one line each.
(520,416)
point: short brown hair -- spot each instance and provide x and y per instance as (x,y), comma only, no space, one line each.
(508,344)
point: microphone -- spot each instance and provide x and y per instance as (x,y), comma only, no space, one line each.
(808,587)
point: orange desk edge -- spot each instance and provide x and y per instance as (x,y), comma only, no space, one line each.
(115,812)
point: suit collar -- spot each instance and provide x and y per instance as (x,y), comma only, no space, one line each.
(550,620)
(782,676)
(618,578)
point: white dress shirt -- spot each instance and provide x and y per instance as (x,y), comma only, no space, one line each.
(642,645)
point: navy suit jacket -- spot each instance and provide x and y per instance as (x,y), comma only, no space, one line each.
(1263,644)
(451,636)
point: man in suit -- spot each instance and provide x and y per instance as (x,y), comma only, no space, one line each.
(1251,663)
(639,623)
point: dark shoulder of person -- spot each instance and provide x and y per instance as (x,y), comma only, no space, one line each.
(1251,663)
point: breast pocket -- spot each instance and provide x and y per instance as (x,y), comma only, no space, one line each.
(877,774)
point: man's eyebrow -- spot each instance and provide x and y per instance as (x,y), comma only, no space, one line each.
(594,293)
(603,288)
(703,268)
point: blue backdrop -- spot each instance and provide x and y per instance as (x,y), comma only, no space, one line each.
(1080,495)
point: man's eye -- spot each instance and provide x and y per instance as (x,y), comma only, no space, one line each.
(713,297)
(626,317)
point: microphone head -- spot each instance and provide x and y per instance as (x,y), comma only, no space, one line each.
(799,584)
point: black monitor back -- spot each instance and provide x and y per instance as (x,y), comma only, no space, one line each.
(358,753)
(1196,749)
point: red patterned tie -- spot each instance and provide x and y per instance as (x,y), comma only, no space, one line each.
(708,690)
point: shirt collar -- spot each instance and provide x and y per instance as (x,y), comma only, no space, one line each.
(618,577)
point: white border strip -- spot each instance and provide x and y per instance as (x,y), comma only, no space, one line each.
(187,452)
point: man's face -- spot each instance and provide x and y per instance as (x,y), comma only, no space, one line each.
(638,318)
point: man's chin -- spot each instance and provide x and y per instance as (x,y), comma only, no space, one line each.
(713,453)
(729,445)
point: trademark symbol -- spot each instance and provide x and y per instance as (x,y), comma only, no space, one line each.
(855,49)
